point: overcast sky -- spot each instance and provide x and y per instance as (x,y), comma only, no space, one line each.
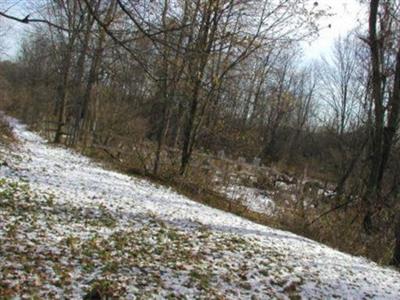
(346,14)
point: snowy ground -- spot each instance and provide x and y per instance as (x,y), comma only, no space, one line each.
(254,199)
(69,228)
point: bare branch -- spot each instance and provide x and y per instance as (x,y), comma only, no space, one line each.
(28,20)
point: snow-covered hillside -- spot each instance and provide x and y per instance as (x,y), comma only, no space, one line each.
(69,228)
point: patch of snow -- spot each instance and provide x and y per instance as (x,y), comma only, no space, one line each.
(283,185)
(253,198)
(326,193)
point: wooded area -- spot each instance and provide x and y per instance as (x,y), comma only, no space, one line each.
(172,80)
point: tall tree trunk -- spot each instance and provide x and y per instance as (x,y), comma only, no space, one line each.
(78,89)
(200,54)
(393,119)
(373,186)
(163,92)
(93,74)
(62,93)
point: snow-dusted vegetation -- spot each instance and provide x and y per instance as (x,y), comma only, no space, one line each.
(255,199)
(70,228)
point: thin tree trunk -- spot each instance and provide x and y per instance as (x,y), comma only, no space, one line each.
(187,134)
(396,252)
(62,93)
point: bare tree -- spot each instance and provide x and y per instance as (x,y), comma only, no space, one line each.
(340,87)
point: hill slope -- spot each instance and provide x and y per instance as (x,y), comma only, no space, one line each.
(69,228)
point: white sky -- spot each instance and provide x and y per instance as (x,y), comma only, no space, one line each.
(345,18)
(11,31)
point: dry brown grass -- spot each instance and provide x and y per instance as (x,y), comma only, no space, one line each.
(6,135)
(342,229)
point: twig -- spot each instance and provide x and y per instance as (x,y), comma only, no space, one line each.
(331,210)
